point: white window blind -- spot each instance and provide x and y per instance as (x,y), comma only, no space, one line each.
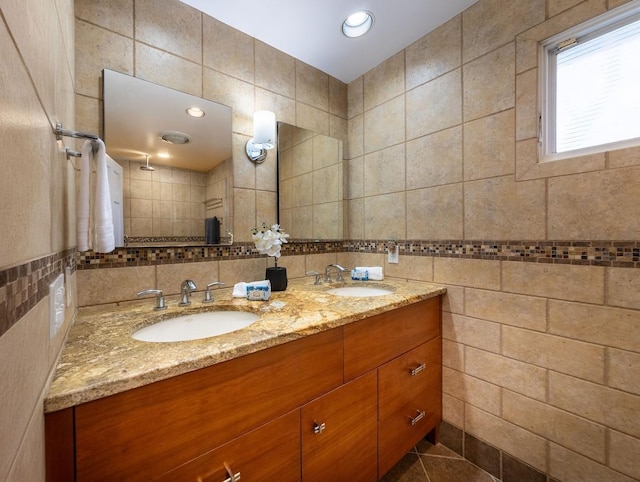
(597,80)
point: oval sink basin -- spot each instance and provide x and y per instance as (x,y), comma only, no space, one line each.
(359,291)
(196,326)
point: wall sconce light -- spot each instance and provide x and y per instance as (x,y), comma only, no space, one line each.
(264,136)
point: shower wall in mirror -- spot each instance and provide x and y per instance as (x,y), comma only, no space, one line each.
(310,184)
(178,169)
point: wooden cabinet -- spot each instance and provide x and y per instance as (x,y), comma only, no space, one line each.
(344,404)
(339,434)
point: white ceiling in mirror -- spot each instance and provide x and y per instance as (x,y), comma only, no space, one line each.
(311,30)
(138,114)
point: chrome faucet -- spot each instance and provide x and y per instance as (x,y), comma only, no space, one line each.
(207,294)
(338,268)
(186,288)
(160,304)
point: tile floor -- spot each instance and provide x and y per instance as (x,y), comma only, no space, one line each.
(435,463)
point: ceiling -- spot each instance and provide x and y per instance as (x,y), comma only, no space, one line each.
(310,30)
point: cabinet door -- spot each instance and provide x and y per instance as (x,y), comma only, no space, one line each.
(339,433)
(410,398)
(373,341)
(271,452)
(142,433)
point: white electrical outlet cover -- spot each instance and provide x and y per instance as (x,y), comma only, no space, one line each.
(56,305)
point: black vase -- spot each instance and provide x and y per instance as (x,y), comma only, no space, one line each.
(277,275)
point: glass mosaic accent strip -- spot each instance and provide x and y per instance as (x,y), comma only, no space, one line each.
(22,287)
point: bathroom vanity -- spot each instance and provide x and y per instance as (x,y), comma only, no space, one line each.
(340,395)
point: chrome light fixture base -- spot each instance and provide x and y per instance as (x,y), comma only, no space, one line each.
(254,153)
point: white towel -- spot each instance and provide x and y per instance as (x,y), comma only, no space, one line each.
(94,216)
(375,272)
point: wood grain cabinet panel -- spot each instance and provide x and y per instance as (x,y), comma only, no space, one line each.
(143,433)
(271,452)
(373,341)
(339,433)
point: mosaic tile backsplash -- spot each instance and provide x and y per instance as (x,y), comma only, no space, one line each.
(23,286)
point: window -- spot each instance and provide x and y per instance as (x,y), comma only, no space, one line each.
(590,85)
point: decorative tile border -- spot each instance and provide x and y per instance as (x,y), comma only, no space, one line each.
(624,254)
(23,286)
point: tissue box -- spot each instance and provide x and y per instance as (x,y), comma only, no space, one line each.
(359,275)
(259,292)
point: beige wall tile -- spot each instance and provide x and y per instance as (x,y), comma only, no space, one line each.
(384,125)
(384,216)
(410,267)
(575,358)
(97,49)
(488,24)
(88,114)
(435,159)
(500,208)
(434,106)
(567,465)
(355,144)
(109,285)
(236,270)
(327,221)
(384,171)
(116,16)
(244,213)
(434,54)
(516,310)
(516,441)
(624,157)
(30,461)
(623,286)
(293,264)
(489,146)
(236,93)
(351,260)
(384,82)
(558,6)
(597,324)
(435,213)
(22,378)
(573,283)
(453,355)
(624,453)
(311,118)
(228,50)
(337,98)
(475,273)
(167,69)
(275,70)
(355,97)
(514,375)
(489,83)
(471,390)
(613,408)
(283,107)
(575,433)
(318,262)
(453,299)
(355,209)
(471,332)
(355,174)
(176,27)
(527,105)
(452,410)
(312,86)
(594,219)
(624,370)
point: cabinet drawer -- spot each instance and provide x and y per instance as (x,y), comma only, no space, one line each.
(339,433)
(405,378)
(143,433)
(410,401)
(271,452)
(373,341)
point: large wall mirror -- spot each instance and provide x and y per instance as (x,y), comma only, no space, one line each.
(310,184)
(176,153)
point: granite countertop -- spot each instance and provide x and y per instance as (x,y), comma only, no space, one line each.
(101,358)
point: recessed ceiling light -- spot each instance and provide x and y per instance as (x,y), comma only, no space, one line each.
(175,137)
(357,24)
(195,112)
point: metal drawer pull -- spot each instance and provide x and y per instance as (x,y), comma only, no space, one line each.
(418,369)
(232,477)
(319,427)
(417,418)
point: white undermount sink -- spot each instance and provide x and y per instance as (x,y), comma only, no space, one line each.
(359,291)
(196,326)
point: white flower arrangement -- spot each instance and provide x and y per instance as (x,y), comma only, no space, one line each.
(269,240)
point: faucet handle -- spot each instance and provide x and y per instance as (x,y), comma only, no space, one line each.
(207,294)
(318,276)
(160,305)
